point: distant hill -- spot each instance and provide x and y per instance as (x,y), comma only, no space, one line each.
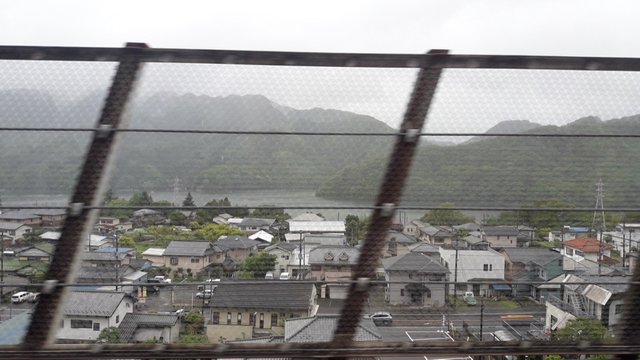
(503,171)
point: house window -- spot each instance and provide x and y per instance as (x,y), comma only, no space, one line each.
(239,320)
(569,251)
(96,326)
(252,319)
(410,275)
(117,319)
(401,292)
(485,267)
(215,318)
(618,309)
(62,323)
(579,253)
(274,320)
(195,260)
(228,318)
(81,324)
(173,260)
(261,321)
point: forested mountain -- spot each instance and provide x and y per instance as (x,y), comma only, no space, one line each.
(486,171)
(500,171)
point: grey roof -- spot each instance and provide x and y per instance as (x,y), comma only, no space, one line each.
(49,212)
(145,212)
(308,217)
(93,303)
(538,256)
(435,231)
(132,322)
(33,251)
(399,238)
(334,255)
(101,256)
(270,295)
(282,245)
(236,242)
(103,274)
(500,230)
(187,248)
(414,262)
(422,247)
(321,328)
(19,215)
(6,225)
(257,222)
(468,226)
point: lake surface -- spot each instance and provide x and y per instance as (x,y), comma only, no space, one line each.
(248,198)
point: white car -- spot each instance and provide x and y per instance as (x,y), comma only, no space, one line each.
(382,318)
(21,296)
(206,294)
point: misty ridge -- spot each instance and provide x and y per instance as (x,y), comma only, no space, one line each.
(483,171)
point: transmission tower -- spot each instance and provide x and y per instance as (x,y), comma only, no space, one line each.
(598,223)
(177,186)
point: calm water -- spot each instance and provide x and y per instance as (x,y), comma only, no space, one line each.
(281,198)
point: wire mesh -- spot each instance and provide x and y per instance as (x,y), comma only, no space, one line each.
(301,140)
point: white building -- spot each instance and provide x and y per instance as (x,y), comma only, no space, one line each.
(485,266)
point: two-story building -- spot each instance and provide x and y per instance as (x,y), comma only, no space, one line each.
(436,235)
(333,264)
(284,253)
(533,265)
(86,313)
(244,311)
(140,328)
(253,225)
(25,217)
(406,276)
(578,250)
(397,244)
(237,248)
(106,224)
(501,236)
(485,267)
(13,231)
(51,218)
(190,254)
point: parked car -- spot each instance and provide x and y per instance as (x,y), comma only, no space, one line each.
(269,275)
(382,318)
(162,279)
(34,298)
(206,294)
(469,298)
(21,296)
(284,276)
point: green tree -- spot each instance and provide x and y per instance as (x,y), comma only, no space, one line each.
(176,217)
(582,329)
(193,323)
(141,199)
(212,232)
(356,228)
(275,213)
(116,213)
(258,264)
(446,217)
(110,335)
(188,201)
(193,339)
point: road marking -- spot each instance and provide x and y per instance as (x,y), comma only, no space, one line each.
(409,336)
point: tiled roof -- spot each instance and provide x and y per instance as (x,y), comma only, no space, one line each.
(19,215)
(256,222)
(399,238)
(346,255)
(270,295)
(93,303)
(422,247)
(317,226)
(414,262)
(500,230)
(539,256)
(236,242)
(587,245)
(187,248)
(308,217)
(11,225)
(131,322)
(320,328)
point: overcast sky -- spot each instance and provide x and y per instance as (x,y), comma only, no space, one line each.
(553,27)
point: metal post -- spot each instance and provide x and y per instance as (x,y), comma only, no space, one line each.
(455,279)
(624,255)
(1,265)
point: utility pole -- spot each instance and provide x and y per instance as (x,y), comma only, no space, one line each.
(1,265)
(481,316)
(623,243)
(455,276)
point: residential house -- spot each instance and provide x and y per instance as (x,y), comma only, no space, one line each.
(106,224)
(485,267)
(52,218)
(598,297)
(425,249)
(222,219)
(284,254)
(97,241)
(335,265)
(308,217)
(25,217)
(86,313)
(195,255)
(147,217)
(245,311)
(264,237)
(124,226)
(38,252)
(155,255)
(237,248)
(405,276)
(502,236)
(50,236)
(576,251)
(397,244)
(413,228)
(140,328)
(436,235)
(533,265)
(253,225)
(129,253)
(14,230)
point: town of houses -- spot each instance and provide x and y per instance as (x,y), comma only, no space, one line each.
(422,266)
